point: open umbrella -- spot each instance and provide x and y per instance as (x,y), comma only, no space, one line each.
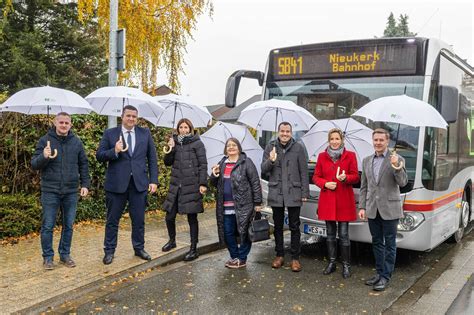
(110,101)
(402,109)
(177,107)
(46,100)
(267,115)
(357,138)
(214,140)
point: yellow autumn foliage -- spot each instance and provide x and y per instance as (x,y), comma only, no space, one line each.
(157,35)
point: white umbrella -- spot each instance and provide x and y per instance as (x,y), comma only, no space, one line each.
(357,138)
(110,100)
(402,109)
(46,100)
(177,107)
(214,140)
(266,115)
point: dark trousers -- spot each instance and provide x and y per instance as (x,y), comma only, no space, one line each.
(294,224)
(341,228)
(171,223)
(115,206)
(230,231)
(384,245)
(50,203)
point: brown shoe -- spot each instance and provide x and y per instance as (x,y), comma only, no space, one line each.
(278,262)
(295,265)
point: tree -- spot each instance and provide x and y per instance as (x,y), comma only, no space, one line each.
(157,35)
(400,29)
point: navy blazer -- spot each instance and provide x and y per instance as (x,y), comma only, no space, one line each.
(143,164)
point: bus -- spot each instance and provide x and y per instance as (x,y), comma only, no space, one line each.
(332,80)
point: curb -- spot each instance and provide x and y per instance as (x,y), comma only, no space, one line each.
(61,303)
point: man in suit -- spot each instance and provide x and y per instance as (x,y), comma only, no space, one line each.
(382,176)
(130,153)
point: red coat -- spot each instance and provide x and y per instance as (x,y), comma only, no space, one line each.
(338,204)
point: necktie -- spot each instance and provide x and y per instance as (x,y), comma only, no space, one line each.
(129,142)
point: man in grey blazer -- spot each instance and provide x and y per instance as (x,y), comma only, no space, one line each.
(382,176)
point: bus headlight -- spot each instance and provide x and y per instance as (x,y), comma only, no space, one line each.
(410,221)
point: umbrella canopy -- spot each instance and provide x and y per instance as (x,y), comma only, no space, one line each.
(214,140)
(177,107)
(402,109)
(267,115)
(110,100)
(46,100)
(357,138)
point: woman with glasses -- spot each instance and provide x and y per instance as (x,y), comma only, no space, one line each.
(335,173)
(239,195)
(188,182)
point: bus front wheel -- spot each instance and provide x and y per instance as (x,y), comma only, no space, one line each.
(463,220)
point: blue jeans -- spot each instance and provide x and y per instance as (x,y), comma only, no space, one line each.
(384,245)
(51,202)
(230,231)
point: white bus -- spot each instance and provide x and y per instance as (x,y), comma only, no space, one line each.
(333,80)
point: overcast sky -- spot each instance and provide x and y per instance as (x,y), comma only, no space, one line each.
(241,33)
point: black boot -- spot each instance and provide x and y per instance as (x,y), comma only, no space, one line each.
(169,246)
(346,261)
(332,250)
(192,254)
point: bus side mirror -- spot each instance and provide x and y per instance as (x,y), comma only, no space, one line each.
(448,97)
(233,82)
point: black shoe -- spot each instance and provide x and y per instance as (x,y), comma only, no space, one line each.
(142,254)
(48,263)
(108,258)
(330,268)
(169,246)
(192,254)
(381,285)
(346,270)
(373,280)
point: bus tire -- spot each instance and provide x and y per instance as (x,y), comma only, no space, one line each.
(463,220)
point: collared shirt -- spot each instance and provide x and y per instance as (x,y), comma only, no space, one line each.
(132,133)
(377,164)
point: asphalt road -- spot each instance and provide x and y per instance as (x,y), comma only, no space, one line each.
(205,286)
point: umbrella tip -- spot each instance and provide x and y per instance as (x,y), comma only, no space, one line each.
(405,90)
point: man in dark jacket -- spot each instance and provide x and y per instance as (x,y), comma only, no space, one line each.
(284,162)
(132,171)
(61,158)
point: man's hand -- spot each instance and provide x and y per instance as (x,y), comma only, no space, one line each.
(84,192)
(202,189)
(47,151)
(119,145)
(394,159)
(304,199)
(152,188)
(330,185)
(273,155)
(362,214)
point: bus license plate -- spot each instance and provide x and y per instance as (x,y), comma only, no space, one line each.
(315,230)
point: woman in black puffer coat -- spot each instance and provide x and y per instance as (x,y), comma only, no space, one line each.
(239,195)
(188,183)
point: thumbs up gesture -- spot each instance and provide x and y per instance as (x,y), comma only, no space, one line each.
(273,155)
(47,150)
(340,176)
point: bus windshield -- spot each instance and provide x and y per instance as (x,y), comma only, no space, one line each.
(340,98)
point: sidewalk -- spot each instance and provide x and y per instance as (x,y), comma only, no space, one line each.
(437,290)
(24,283)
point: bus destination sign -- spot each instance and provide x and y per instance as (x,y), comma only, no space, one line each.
(388,59)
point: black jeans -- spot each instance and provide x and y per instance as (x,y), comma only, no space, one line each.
(294,224)
(342,229)
(192,221)
(384,245)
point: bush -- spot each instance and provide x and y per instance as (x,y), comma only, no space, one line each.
(19,214)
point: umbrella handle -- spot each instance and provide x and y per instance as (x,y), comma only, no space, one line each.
(126,145)
(167,149)
(400,163)
(48,144)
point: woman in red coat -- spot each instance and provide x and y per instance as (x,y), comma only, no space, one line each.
(335,173)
